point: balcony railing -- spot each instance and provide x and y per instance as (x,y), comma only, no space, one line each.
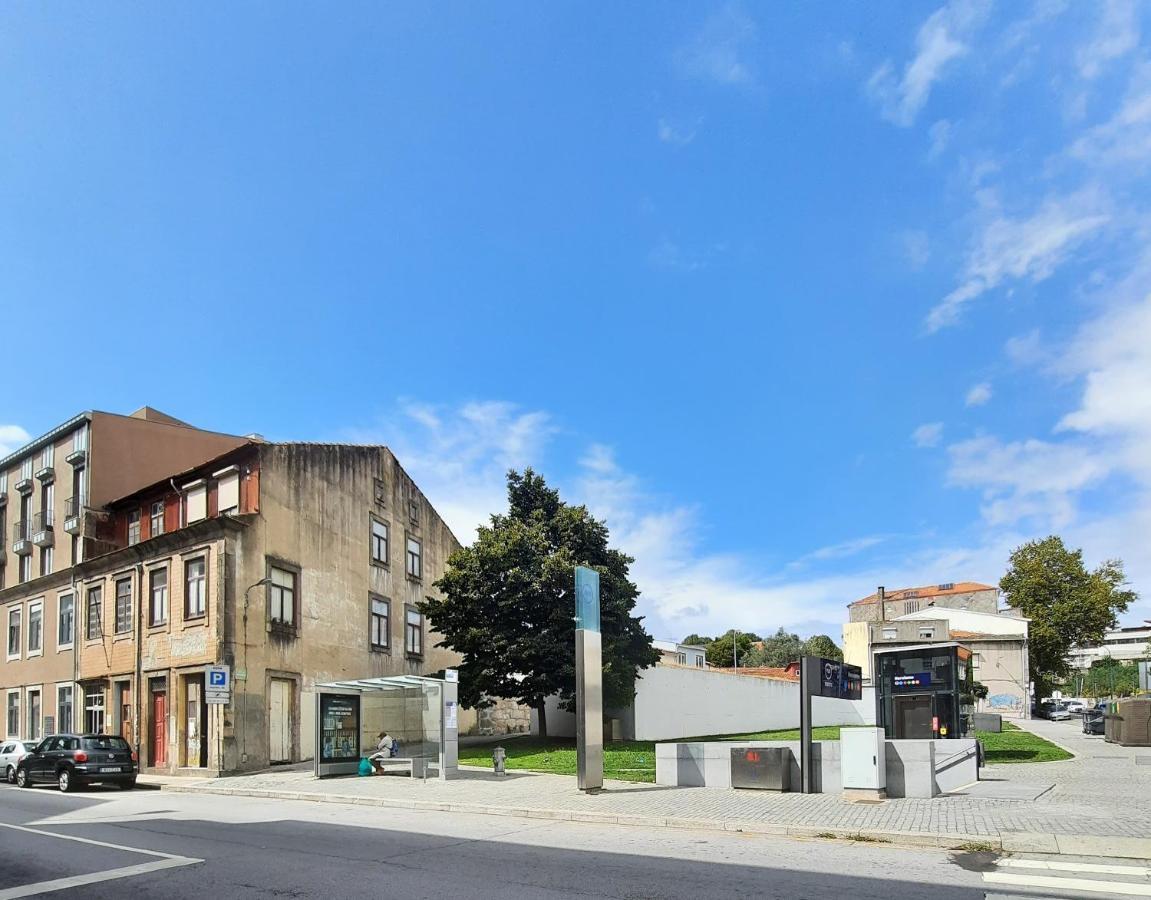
(42,529)
(21,538)
(46,474)
(24,484)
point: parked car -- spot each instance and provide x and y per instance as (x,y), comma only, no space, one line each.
(11,752)
(75,760)
(1093,721)
(1075,707)
(1054,710)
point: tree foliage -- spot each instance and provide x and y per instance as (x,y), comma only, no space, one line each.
(781,648)
(720,652)
(697,640)
(824,646)
(1067,605)
(508,603)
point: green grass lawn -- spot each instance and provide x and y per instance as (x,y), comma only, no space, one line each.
(1014,745)
(635,760)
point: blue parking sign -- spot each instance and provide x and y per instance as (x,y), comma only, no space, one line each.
(218,679)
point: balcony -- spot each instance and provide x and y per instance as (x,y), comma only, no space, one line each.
(77,457)
(24,485)
(21,538)
(73,516)
(46,474)
(43,534)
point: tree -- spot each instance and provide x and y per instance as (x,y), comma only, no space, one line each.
(1067,605)
(782,648)
(508,604)
(822,645)
(720,654)
(697,640)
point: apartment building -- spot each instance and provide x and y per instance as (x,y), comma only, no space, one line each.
(51,494)
(293,564)
(884,605)
(1123,644)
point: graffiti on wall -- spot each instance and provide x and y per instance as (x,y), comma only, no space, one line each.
(1010,702)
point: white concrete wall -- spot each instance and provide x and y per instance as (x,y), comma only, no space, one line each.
(674,703)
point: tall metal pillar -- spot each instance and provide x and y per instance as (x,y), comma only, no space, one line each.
(808,678)
(589,681)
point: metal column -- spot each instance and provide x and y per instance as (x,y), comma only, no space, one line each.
(589,710)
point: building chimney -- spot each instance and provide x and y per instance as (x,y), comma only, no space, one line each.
(881,598)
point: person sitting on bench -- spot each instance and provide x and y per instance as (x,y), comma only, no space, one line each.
(386,748)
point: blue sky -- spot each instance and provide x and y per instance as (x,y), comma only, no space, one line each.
(802,299)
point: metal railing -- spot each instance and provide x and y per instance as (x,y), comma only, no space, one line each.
(42,521)
(20,531)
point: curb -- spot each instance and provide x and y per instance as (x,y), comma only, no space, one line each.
(810,832)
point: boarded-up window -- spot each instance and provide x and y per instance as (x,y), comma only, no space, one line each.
(228,489)
(195,501)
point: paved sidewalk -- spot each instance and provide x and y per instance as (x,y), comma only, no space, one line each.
(1078,809)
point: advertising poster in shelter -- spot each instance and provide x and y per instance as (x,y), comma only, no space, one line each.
(339,728)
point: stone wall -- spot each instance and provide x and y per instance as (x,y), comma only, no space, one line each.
(504,717)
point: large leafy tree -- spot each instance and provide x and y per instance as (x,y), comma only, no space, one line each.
(1067,604)
(781,648)
(508,604)
(697,640)
(824,646)
(721,652)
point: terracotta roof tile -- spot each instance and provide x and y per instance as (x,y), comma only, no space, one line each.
(931,590)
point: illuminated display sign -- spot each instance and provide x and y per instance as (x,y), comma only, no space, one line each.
(914,680)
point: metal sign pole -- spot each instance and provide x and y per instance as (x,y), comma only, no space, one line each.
(589,682)
(805,679)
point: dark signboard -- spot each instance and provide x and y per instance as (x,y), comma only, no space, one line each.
(911,681)
(840,680)
(339,728)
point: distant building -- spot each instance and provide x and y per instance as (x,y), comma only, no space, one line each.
(672,653)
(1124,644)
(953,595)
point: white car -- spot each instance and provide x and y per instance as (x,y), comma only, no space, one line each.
(11,752)
(1075,707)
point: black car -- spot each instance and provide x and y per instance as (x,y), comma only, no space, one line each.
(74,760)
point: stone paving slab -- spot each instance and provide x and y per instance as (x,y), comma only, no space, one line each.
(1025,812)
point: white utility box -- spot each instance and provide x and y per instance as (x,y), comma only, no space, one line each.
(863,762)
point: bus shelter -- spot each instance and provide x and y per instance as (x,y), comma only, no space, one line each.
(420,713)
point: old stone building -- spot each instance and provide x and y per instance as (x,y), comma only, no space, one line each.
(954,595)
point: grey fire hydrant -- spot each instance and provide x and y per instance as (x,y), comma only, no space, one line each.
(499,755)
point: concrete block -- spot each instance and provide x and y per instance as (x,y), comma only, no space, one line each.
(1028,842)
(1096,845)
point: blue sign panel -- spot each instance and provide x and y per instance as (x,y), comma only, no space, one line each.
(911,681)
(587,598)
(839,679)
(218,679)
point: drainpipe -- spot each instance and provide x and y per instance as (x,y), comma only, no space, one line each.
(139,662)
(75,654)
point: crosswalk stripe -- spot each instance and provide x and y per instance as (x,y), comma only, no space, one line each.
(1069,884)
(1093,868)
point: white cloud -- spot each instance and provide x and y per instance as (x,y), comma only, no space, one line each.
(1116,36)
(12,438)
(677,133)
(719,53)
(841,550)
(940,134)
(940,40)
(978,394)
(1031,248)
(1125,139)
(928,435)
(1025,349)
(916,248)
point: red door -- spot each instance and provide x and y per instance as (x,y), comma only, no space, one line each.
(159,728)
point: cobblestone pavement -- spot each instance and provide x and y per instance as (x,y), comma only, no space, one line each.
(1102,792)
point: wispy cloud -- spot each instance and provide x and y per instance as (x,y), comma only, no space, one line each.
(940,40)
(1125,138)
(1025,349)
(978,395)
(916,248)
(940,135)
(721,51)
(677,133)
(1029,248)
(12,437)
(928,435)
(842,550)
(1116,35)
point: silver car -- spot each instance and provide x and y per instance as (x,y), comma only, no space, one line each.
(11,752)
(1055,711)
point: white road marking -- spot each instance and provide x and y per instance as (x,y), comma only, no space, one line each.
(1069,884)
(1093,868)
(163,861)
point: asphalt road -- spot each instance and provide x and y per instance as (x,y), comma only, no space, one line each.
(242,847)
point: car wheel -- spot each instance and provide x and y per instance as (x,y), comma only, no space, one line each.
(10,775)
(128,785)
(22,779)
(64,781)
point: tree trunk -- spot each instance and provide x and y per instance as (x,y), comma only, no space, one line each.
(542,716)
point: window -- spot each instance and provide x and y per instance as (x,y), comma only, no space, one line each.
(282,596)
(379,542)
(65,621)
(156,519)
(13,714)
(890,634)
(413,510)
(699,660)
(928,634)
(14,633)
(227,489)
(910,606)
(976,660)
(379,491)
(195,501)
(415,558)
(94,710)
(158,596)
(413,632)
(25,568)
(95,602)
(380,628)
(45,561)
(64,708)
(35,628)
(681,659)
(123,605)
(195,582)
(133,527)
(34,710)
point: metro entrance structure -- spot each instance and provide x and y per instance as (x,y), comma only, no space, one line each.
(924,691)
